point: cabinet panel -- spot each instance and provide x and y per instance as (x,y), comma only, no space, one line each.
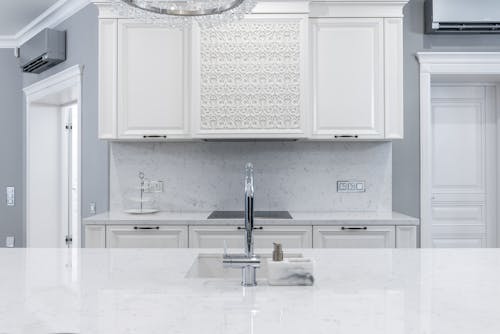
(152,85)
(250,78)
(142,236)
(214,236)
(406,237)
(354,237)
(107,81)
(348,77)
(95,236)
(394,108)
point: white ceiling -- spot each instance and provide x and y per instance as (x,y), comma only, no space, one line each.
(16,14)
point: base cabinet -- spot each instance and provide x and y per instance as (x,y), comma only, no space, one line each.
(264,236)
(95,236)
(354,237)
(128,236)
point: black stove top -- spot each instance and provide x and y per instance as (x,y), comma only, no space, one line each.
(257,215)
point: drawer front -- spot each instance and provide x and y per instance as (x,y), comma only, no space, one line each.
(354,237)
(264,236)
(146,236)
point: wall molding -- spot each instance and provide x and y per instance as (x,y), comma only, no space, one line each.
(475,65)
(50,18)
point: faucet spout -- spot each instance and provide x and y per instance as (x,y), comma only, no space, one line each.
(249,209)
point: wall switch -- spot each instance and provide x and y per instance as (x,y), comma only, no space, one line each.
(350,186)
(9,241)
(11,196)
(92,208)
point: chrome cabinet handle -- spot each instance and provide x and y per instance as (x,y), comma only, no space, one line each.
(255,228)
(354,228)
(146,228)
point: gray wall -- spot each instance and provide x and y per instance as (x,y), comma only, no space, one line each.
(82,38)
(406,153)
(11,148)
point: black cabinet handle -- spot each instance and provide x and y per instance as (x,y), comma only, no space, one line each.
(146,228)
(154,136)
(255,228)
(346,136)
(354,228)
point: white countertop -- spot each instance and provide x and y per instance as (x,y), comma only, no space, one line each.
(145,291)
(298,218)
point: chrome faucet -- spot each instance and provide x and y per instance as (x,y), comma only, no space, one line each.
(248,262)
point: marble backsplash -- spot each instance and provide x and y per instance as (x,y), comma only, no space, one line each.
(295,176)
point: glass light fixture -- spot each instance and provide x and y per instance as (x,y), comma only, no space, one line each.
(182,13)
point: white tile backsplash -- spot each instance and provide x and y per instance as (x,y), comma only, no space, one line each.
(298,176)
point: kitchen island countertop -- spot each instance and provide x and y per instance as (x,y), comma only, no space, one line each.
(390,291)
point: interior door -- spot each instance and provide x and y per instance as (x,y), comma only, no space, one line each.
(463,166)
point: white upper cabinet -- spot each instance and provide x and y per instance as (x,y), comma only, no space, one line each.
(250,78)
(348,77)
(320,70)
(152,81)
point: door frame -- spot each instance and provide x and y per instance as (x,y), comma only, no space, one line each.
(449,64)
(70,78)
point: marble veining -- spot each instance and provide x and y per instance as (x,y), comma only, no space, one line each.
(299,176)
(137,291)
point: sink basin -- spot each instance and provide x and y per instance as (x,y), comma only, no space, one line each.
(210,266)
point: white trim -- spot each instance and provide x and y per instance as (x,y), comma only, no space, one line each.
(439,63)
(70,77)
(50,18)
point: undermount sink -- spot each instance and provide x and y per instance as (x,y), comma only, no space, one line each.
(217,214)
(210,266)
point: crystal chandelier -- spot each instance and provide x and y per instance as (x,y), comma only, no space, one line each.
(182,13)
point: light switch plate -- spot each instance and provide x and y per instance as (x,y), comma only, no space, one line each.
(92,208)
(11,196)
(9,241)
(153,186)
(351,186)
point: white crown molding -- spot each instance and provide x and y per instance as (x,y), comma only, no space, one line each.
(459,62)
(50,18)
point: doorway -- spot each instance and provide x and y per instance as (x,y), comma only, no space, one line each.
(53,147)
(459,141)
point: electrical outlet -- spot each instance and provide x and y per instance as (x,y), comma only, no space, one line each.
(351,186)
(153,186)
(9,241)
(11,196)
(92,208)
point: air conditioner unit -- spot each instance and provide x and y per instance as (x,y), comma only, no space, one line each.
(462,16)
(43,51)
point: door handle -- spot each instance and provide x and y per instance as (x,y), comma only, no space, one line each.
(345,136)
(146,228)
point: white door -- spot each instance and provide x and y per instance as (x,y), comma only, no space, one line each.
(146,236)
(463,166)
(348,77)
(354,237)
(152,81)
(264,236)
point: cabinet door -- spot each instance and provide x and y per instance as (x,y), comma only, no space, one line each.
(250,78)
(152,81)
(354,237)
(348,77)
(406,237)
(146,236)
(95,236)
(264,236)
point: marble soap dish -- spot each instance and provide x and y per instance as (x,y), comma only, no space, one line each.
(290,271)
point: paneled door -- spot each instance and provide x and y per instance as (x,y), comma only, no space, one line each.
(463,166)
